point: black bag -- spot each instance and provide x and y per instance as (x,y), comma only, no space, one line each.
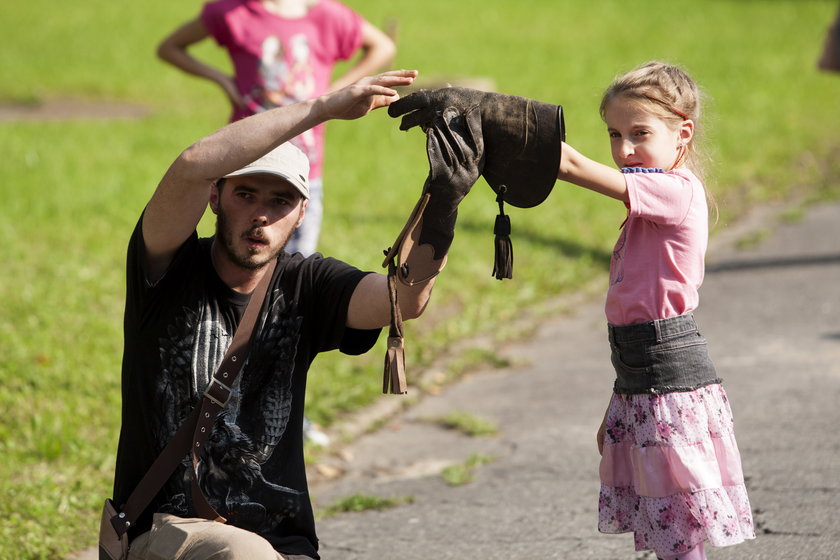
(111,545)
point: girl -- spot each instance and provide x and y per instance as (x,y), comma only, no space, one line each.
(670,467)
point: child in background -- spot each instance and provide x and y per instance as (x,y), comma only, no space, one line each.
(283,52)
(670,467)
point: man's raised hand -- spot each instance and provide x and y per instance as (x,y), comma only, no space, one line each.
(367,94)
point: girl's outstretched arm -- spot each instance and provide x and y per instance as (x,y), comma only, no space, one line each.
(578,169)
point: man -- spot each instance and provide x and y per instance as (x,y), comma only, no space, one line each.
(185,296)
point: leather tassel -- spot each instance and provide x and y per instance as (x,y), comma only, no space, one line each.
(393,380)
(503,262)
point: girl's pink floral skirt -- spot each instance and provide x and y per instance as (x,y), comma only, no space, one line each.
(671,472)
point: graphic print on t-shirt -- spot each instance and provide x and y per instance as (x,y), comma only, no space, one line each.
(253,423)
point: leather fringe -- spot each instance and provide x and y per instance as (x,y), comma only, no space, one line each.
(394,374)
(503,262)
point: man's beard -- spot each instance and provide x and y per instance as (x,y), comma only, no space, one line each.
(226,236)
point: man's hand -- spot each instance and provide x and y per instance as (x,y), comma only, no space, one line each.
(367,94)
(455,150)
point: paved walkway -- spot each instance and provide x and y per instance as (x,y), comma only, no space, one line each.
(771,314)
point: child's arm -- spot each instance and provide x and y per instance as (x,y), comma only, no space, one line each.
(584,172)
(174,50)
(378,51)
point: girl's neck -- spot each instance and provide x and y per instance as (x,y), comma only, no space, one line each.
(289,8)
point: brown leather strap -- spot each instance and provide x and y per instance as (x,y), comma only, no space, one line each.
(394,373)
(196,428)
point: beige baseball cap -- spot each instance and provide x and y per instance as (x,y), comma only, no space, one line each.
(285,161)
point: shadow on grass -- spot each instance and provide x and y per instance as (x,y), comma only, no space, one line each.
(519,236)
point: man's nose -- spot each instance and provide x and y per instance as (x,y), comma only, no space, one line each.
(260,218)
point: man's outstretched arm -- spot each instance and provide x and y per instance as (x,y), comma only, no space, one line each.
(182,195)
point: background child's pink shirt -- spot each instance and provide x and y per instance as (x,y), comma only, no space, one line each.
(278,61)
(658,262)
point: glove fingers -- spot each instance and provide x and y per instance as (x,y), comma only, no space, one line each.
(473,122)
(421,117)
(438,150)
(452,133)
(412,102)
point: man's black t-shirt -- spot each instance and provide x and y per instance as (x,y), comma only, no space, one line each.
(176,334)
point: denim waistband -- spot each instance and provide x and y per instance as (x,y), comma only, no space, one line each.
(657,330)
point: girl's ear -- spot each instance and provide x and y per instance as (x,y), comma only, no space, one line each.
(686,132)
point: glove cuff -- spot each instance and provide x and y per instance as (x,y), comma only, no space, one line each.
(417,258)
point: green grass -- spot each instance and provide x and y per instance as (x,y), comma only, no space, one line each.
(466,423)
(463,473)
(73,190)
(361,502)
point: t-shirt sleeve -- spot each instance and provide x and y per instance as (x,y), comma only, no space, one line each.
(213,16)
(334,283)
(341,28)
(138,287)
(663,198)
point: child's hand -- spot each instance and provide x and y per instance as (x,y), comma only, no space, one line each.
(600,436)
(229,87)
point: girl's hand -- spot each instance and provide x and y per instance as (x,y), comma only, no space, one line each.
(600,436)
(367,94)
(229,87)
(602,432)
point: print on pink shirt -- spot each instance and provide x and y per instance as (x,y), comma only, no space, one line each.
(283,82)
(617,266)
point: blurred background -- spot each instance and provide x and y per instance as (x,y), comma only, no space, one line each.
(90,119)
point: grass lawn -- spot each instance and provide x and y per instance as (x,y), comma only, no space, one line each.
(74,188)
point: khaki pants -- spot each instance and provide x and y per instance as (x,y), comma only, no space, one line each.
(177,538)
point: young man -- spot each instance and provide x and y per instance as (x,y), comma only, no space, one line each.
(185,297)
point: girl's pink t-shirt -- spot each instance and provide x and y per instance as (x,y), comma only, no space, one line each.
(279,61)
(657,264)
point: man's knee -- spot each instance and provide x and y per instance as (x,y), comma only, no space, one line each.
(234,544)
(198,539)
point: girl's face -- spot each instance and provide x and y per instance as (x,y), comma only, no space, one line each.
(638,138)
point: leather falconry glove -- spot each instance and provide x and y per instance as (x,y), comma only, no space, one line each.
(521,140)
(456,157)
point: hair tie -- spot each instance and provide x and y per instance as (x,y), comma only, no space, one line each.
(678,112)
(667,106)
